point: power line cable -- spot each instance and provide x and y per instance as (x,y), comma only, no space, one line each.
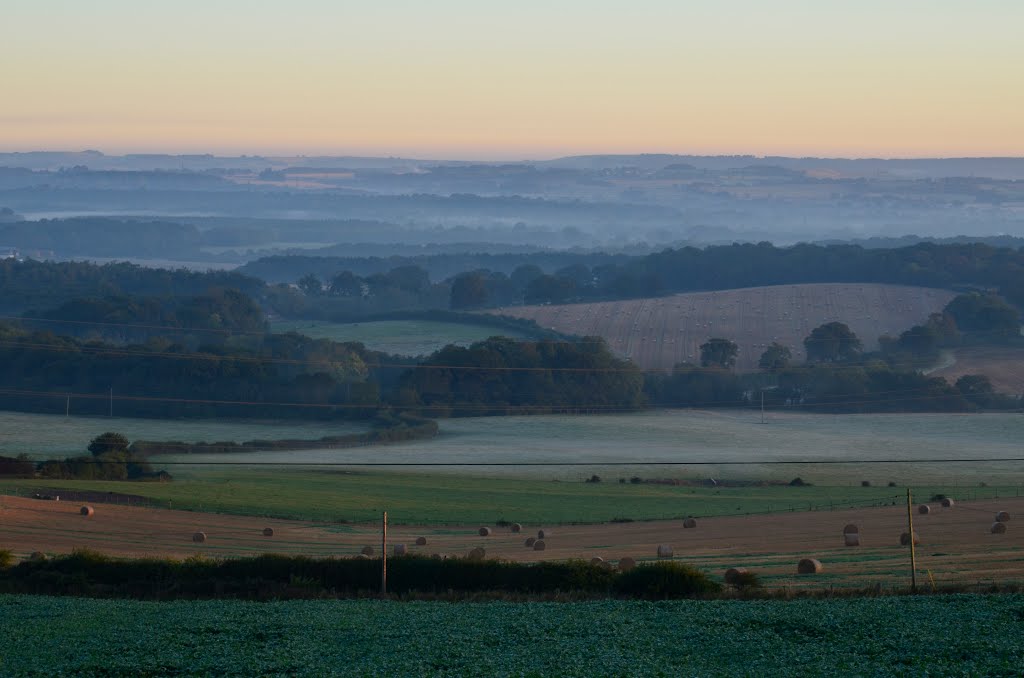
(538,408)
(541,464)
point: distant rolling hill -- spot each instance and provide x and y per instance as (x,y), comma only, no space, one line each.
(657,333)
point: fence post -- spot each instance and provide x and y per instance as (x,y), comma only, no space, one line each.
(384,554)
(913,554)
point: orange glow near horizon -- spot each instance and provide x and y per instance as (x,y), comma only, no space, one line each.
(458,81)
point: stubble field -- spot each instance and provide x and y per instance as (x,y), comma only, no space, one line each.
(957,547)
(1004,366)
(660,332)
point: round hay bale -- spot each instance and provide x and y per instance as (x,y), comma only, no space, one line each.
(199,537)
(530,541)
(366,551)
(924,509)
(851,529)
(268,532)
(733,574)
(596,560)
(484,532)
(905,539)
(809,566)
(86,511)
(664,551)
(539,545)
(543,534)
(477,554)
(421,541)
(851,538)
(1002,517)
(690,522)
(998,528)
(626,564)
(947,502)
(401,550)
(517,528)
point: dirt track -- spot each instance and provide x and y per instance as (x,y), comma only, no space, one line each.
(956,545)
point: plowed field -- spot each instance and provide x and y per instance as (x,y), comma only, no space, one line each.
(956,544)
(660,332)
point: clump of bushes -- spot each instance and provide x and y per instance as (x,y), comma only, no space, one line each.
(274,576)
(665,580)
(746,581)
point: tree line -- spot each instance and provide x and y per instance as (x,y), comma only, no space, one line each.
(839,376)
(954,265)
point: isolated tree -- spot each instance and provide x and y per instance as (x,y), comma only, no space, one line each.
(985,314)
(523,275)
(973,384)
(775,357)
(346,284)
(409,278)
(469,290)
(977,388)
(108,442)
(718,352)
(310,285)
(579,274)
(549,288)
(832,342)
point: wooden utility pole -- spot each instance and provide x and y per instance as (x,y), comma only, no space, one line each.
(384,555)
(913,554)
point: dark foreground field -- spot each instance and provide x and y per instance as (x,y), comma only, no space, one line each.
(913,636)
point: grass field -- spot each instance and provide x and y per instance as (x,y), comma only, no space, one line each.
(702,438)
(883,636)
(556,494)
(43,436)
(398,337)
(658,333)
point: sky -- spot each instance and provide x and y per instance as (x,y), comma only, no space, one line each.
(514,80)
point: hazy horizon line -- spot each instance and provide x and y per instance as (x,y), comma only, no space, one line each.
(485,157)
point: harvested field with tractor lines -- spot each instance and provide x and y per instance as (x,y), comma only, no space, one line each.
(957,545)
(660,332)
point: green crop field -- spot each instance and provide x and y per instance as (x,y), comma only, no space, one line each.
(43,436)
(453,499)
(962,635)
(398,337)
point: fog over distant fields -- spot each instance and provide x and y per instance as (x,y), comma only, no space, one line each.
(236,209)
